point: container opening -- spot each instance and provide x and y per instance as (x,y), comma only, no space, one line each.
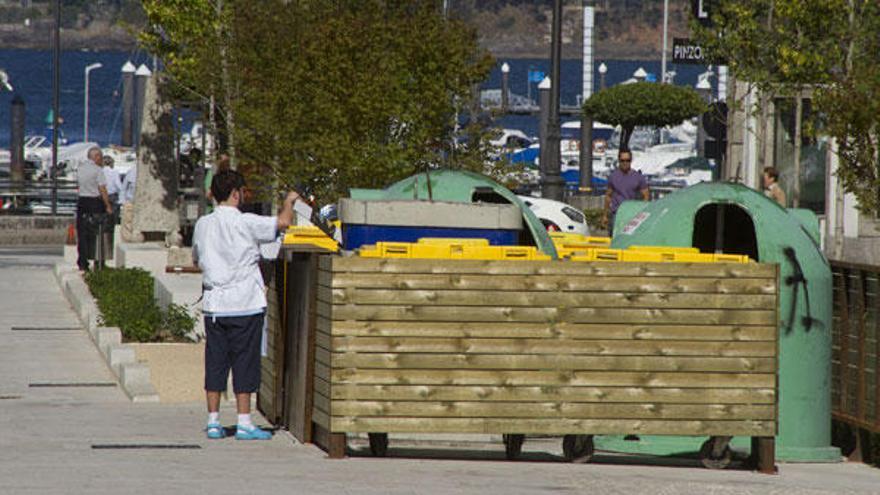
(725,228)
(488,195)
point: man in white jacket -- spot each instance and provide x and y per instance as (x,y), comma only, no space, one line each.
(226,248)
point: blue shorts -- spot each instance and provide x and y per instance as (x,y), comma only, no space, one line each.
(233,342)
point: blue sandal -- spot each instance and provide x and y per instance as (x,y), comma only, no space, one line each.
(252,432)
(215,431)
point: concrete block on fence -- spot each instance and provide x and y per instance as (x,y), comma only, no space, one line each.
(149,256)
(184,289)
(135,379)
(106,337)
(118,355)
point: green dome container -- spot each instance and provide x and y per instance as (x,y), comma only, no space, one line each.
(743,221)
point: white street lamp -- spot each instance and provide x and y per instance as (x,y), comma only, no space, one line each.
(603,69)
(89,68)
(665,34)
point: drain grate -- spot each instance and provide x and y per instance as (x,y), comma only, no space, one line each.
(142,446)
(72,384)
(46,329)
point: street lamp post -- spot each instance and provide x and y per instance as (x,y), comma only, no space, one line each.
(553,183)
(89,68)
(603,69)
(665,34)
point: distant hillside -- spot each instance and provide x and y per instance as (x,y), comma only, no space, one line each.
(624,28)
(508,28)
(94,24)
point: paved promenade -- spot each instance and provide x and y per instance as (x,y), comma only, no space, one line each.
(51,428)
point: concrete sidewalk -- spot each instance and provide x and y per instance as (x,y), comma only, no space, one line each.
(58,402)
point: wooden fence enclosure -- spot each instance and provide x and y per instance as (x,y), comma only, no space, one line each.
(855,361)
(556,347)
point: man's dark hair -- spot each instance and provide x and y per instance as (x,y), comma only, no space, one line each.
(224,183)
(772,173)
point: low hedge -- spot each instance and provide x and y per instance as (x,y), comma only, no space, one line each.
(125,298)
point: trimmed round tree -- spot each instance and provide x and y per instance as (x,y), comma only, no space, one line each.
(643,103)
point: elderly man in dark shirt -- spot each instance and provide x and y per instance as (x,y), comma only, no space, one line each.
(624,183)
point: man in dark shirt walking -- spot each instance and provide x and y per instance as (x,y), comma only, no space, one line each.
(624,183)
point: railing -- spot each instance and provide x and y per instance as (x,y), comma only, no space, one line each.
(35,197)
(855,361)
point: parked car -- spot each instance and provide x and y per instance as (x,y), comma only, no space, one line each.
(557,216)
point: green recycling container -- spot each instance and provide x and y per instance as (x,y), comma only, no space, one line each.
(741,220)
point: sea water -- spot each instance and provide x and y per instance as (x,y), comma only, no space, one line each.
(30,72)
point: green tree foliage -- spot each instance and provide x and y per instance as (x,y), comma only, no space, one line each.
(851,107)
(184,34)
(644,103)
(330,95)
(776,42)
(782,46)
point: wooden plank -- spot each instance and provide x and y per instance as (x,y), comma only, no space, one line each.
(547,362)
(861,385)
(322,356)
(843,304)
(876,425)
(268,375)
(553,347)
(537,314)
(764,452)
(552,283)
(279,329)
(322,339)
(334,444)
(547,393)
(322,387)
(581,269)
(322,372)
(553,426)
(556,409)
(321,418)
(322,403)
(555,378)
(546,330)
(545,299)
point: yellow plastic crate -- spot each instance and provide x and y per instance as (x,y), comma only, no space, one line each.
(454,241)
(451,250)
(675,249)
(511,253)
(564,238)
(568,244)
(731,258)
(403,250)
(309,235)
(684,255)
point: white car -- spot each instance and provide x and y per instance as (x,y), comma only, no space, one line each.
(557,216)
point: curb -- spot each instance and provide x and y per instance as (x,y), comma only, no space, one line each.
(134,377)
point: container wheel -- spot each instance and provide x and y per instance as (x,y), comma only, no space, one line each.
(379,444)
(513,445)
(715,453)
(578,448)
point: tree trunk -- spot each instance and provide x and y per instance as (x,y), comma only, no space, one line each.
(624,138)
(227,90)
(798,116)
(839,192)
